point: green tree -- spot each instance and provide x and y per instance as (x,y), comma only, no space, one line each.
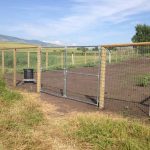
(95,48)
(83,49)
(142,33)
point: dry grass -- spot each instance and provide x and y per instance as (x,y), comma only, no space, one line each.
(13,44)
(106,132)
(26,124)
(37,125)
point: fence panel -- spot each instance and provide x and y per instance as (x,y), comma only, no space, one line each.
(128,80)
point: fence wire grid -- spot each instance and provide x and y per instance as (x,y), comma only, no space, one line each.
(128,80)
(69,72)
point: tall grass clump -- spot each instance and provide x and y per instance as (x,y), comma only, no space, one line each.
(7,95)
(22,123)
(103,133)
(143,80)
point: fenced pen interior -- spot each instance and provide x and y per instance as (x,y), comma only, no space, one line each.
(114,77)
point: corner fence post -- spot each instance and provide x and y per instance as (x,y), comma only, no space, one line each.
(102,78)
(39,70)
(46,60)
(14,58)
(28,59)
(3,63)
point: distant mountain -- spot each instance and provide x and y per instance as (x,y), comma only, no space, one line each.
(5,38)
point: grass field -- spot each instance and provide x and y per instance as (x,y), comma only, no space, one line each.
(13,45)
(26,122)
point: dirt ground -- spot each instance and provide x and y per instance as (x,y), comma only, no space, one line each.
(122,95)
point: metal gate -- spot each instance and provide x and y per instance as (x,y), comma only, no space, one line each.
(71,73)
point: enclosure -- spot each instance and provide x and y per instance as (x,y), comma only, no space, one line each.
(113,77)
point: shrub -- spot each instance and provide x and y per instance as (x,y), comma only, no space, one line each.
(89,65)
(143,80)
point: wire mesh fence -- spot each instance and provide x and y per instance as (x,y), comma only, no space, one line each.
(80,75)
(71,74)
(14,61)
(128,80)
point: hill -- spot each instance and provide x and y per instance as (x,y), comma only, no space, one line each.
(5,38)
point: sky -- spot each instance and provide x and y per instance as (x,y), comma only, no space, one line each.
(73,22)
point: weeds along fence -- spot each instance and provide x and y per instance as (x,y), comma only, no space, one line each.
(127,86)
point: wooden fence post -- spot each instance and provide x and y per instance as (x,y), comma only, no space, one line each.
(85,59)
(72,57)
(3,63)
(14,58)
(39,70)
(102,78)
(46,60)
(28,59)
(109,57)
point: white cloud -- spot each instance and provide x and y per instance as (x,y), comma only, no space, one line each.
(84,14)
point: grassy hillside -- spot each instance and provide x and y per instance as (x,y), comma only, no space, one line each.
(13,44)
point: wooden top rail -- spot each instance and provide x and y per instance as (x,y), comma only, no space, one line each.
(127,45)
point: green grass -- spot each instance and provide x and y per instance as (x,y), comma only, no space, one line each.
(103,133)
(8,96)
(143,80)
(19,120)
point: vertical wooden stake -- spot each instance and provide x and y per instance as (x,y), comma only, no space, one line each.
(3,63)
(14,58)
(102,78)
(39,70)
(72,57)
(62,60)
(46,60)
(85,59)
(109,57)
(28,59)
